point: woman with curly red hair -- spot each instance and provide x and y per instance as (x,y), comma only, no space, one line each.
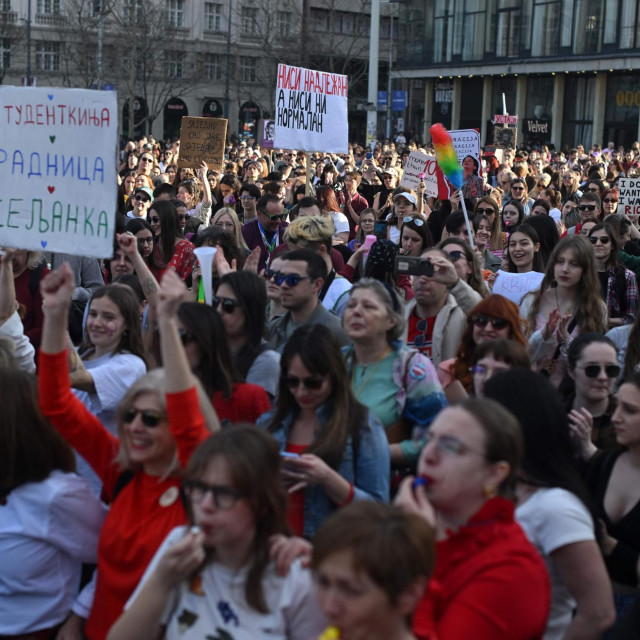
(493,318)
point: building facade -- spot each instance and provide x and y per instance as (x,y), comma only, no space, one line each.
(171,58)
(569,69)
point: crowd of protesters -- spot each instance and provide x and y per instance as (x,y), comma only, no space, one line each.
(336,447)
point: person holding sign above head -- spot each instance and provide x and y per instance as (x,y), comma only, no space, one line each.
(267,230)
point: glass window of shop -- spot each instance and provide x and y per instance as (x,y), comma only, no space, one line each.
(546,28)
(579,100)
(588,26)
(471,100)
(474,23)
(508,31)
(622,109)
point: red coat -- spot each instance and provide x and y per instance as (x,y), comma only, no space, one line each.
(489,583)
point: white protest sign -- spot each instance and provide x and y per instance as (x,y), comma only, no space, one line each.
(466,142)
(311,110)
(515,286)
(417,164)
(629,189)
(58,169)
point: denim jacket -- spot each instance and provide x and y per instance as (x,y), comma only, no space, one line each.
(368,473)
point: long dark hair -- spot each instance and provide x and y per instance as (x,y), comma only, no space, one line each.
(138,224)
(169,228)
(253,459)
(203,324)
(30,448)
(129,306)
(549,454)
(527,230)
(251,293)
(320,353)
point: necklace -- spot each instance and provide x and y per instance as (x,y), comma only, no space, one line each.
(367,372)
(568,311)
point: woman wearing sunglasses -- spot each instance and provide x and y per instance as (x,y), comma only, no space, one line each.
(242,305)
(519,194)
(489,581)
(618,285)
(612,480)
(215,579)
(610,199)
(415,236)
(494,318)
(172,250)
(334,448)
(567,303)
(161,420)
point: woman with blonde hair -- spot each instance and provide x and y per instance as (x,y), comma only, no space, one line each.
(161,420)
(225,218)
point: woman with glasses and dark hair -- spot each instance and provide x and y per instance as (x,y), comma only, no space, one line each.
(488,206)
(610,199)
(171,249)
(146,239)
(335,450)
(161,420)
(618,285)
(520,194)
(218,575)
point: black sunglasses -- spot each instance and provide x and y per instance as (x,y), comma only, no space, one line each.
(587,207)
(456,255)
(154,220)
(278,216)
(229,305)
(482,320)
(268,273)
(487,212)
(290,279)
(601,239)
(182,217)
(593,370)
(149,418)
(141,199)
(313,384)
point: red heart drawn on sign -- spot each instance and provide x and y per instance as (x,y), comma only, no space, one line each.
(51,189)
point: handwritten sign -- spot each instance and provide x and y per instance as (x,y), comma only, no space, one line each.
(515,286)
(58,169)
(466,142)
(629,189)
(202,139)
(417,164)
(505,120)
(311,110)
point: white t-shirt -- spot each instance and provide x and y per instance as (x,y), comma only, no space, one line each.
(337,297)
(215,605)
(551,519)
(112,377)
(47,530)
(340,222)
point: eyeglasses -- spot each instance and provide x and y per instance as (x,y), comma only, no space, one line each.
(223,497)
(140,198)
(247,198)
(456,255)
(268,273)
(145,240)
(593,189)
(514,188)
(541,186)
(609,200)
(587,207)
(290,279)
(593,370)
(312,384)
(601,239)
(278,216)
(489,211)
(448,445)
(229,305)
(482,320)
(146,159)
(417,221)
(154,220)
(482,370)
(149,418)
(183,217)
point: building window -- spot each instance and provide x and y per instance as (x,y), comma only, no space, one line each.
(5,53)
(214,66)
(212,16)
(284,20)
(628,30)
(442,31)
(174,64)
(588,26)
(48,56)
(248,69)
(579,99)
(51,7)
(132,11)
(5,6)
(249,21)
(508,29)
(545,36)
(175,13)
(320,20)
(473,30)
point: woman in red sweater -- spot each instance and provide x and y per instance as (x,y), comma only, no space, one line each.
(489,582)
(161,420)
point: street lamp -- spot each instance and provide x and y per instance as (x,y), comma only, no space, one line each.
(372,93)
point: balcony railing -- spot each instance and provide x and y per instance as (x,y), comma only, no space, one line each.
(49,19)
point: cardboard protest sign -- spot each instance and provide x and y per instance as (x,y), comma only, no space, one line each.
(417,164)
(515,286)
(202,139)
(311,110)
(466,142)
(58,169)
(629,189)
